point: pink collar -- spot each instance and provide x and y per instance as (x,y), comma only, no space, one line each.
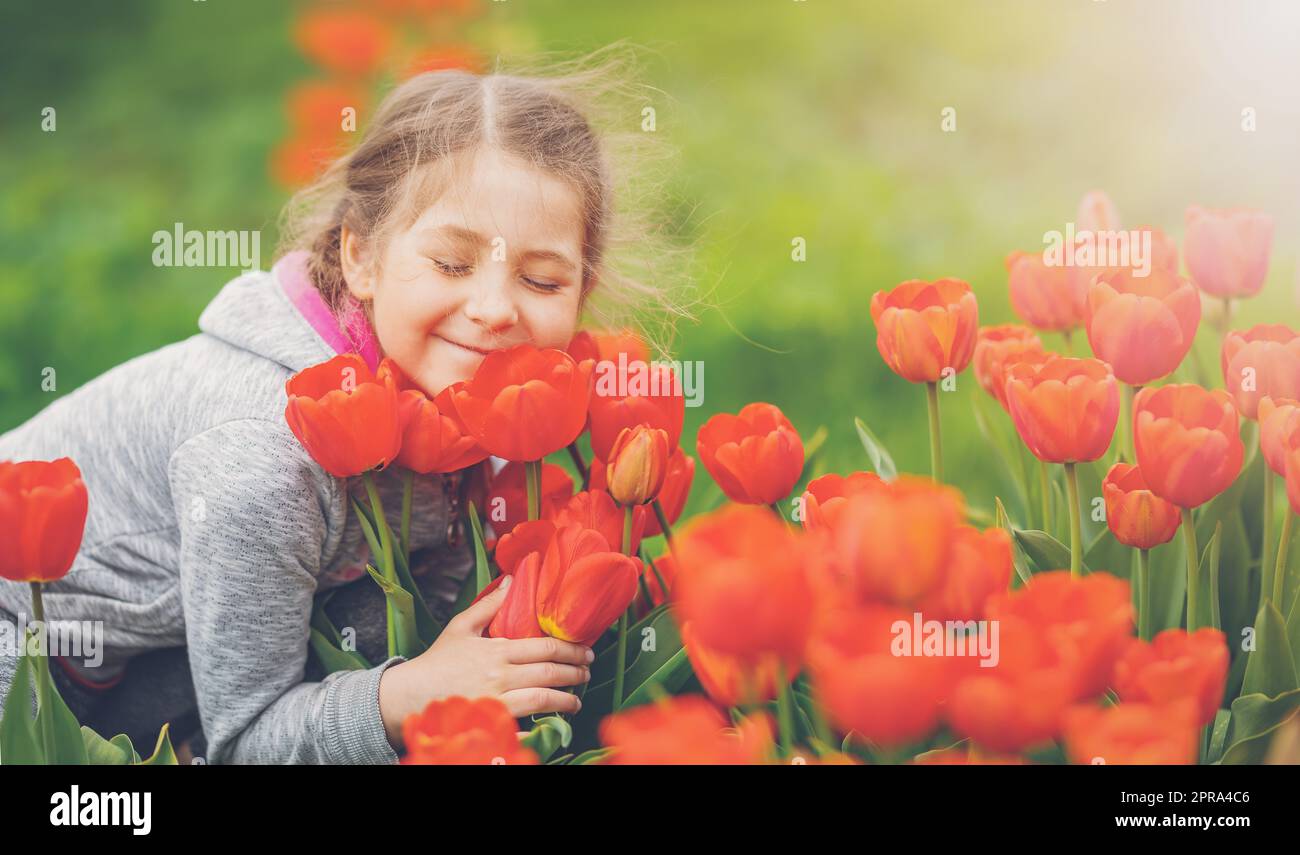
(351,334)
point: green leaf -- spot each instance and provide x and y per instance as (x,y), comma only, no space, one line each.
(1018,561)
(549,735)
(117,751)
(69,744)
(163,754)
(482,571)
(881,462)
(590,758)
(1218,735)
(1013,464)
(1168,585)
(814,445)
(332,658)
(1270,670)
(426,624)
(1043,551)
(1254,718)
(403,611)
(19,744)
(670,677)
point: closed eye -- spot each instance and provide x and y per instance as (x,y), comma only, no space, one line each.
(452,269)
(542,285)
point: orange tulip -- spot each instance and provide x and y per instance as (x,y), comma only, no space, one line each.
(730,681)
(1088,621)
(607,345)
(626,394)
(1136,516)
(1018,703)
(741,583)
(923,328)
(1188,443)
(1164,252)
(1279,430)
(1064,409)
(43,507)
(683,730)
(998,348)
(346,417)
(1177,665)
(459,731)
(582,585)
(1130,734)
(1263,361)
(523,403)
(348,42)
(433,439)
(895,544)
(638,463)
(507,504)
(595,509)
(756,457)
(1291,473)
(980,567)
(1227,251)
(674,493)
(517,617)
(1044,295)
(1142,325)
(824,496)
(867,687)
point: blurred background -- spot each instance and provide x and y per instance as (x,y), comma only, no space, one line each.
(819,119)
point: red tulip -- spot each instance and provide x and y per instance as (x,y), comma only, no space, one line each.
(1131,733)
(1044,295)
(517,617)
(629,394)
(741,583)
(756,457)
(316,108)
(1064,409)
(607,345)
(1188,443)
(1177,665)
(730,681)
(1279,430)
(458,731)
(524,403)
(637,465)
(347,42)
(686,730)
(824,496)
(583,586)
(1142,325)
(1227,251)
(980,567)
(1136,516)
(923,328)
(43,507)
(346,417)
(595,509)
(1261,361)
(997,349)
(433,439)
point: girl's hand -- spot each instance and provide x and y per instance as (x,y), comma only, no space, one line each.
(522,673)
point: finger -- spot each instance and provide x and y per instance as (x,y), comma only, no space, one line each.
(542,674)
(476,618)
(525,650)
(522,702)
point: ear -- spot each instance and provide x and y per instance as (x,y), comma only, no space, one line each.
(356,272)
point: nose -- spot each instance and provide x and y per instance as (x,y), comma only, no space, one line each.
(490,303)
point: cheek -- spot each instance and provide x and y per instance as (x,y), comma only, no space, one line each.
(405,313)
(553,320)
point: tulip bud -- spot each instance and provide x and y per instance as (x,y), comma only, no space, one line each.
(637,465)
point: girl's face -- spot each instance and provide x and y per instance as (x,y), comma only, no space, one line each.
(495,262)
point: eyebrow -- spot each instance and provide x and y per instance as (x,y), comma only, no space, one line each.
(474,238)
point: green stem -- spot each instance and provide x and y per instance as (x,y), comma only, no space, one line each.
(408,484)
(1266,535)
(1144,594)
(1044,483)
(387,568)
(1279,571)
(576,456)
(785,711)
(533,482)
(620,662)
(1193,569)
(936,443)
(44,685)
(1076,534)
(1216,616)
(664,526)
(1068,335)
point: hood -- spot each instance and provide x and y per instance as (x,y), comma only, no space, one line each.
(255,312)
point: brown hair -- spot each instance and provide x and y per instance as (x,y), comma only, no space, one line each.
(430,126)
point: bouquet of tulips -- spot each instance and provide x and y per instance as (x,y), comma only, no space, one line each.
(867,617)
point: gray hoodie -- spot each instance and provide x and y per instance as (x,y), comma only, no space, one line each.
(211,527)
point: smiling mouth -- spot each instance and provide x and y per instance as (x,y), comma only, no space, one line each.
(482,351)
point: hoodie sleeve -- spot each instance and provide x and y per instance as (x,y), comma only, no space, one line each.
(253,509)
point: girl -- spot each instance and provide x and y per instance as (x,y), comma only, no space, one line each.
(472,216)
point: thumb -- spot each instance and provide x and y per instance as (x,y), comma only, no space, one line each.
(476,618)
